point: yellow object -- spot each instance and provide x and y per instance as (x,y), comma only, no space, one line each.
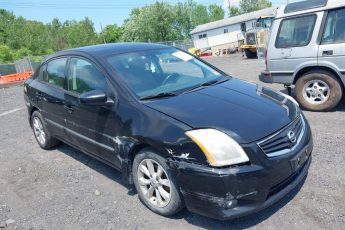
(194,51)
(248,46)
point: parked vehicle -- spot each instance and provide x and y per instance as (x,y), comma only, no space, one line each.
(256,37)
(184,133)
(307,49)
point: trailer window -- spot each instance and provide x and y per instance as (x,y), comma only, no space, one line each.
(201,36)
(295,32)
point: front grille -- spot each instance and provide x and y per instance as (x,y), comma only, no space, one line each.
(250,38)
(280,143)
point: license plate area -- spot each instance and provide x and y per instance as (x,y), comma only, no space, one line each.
(298,161)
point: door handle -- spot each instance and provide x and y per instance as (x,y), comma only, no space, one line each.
(68,108)
(327,53)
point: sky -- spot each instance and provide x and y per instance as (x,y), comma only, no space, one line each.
(100,11)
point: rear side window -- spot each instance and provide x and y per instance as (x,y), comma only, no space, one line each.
(55,72)
(335,27)
(295,32)
(85,77)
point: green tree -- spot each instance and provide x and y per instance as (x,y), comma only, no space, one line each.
(247,6)
(111,33)
(57,40)
(6,55)
(6,20)
(80,33)
(200,15)
(234,11)
(183,18)
(22,52)
(215,12)
(156,22)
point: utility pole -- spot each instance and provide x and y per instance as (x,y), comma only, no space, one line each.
(102,33)
(229,8)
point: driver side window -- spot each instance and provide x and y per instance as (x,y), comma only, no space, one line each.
(85,77)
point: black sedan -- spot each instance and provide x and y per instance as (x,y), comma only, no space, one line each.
(183,132)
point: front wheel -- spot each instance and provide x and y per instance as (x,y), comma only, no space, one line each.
(155,184)
(250,54)
(318,91)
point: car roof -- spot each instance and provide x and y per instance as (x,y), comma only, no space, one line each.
(111,49)
(304,7)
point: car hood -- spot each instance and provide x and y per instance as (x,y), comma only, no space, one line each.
(245,111)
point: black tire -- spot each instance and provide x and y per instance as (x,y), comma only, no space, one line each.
(335,88)
(175,204)
(49,140)
(250,54)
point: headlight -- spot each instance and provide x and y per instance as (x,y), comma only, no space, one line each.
(219,148)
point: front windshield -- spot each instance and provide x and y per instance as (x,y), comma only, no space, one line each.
(159,71)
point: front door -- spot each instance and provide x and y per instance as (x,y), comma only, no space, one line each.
(91,127)
(332,47)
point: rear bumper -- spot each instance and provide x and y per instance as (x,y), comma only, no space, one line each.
(229,193)
(282,78)
(266,77)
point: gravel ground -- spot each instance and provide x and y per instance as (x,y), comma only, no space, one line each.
(65,189)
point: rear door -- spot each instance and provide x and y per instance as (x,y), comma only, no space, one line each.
(332,47)
(52,95)
(294,43)
(91,127)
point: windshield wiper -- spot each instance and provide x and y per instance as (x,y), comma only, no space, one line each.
(159,95)
(208,83)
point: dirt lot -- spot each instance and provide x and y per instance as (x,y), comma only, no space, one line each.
(65,189)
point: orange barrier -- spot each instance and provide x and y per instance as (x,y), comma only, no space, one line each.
(17,77)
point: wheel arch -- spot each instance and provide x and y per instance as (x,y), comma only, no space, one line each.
(126,168)
(31,111)
(307,69)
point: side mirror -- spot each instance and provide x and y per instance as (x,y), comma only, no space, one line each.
(94,97)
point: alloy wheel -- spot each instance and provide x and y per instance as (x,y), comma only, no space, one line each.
(316,92)
(39,131)
(154,183)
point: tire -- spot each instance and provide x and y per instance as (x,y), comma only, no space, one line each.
(318,91)
(157,203)
(44,140)
(250,54)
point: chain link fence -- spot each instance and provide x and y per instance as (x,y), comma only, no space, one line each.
(7,69)
(182,44)
(19,66)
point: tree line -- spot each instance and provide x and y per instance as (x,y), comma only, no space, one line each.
(155,22)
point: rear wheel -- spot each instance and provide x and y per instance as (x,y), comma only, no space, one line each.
(42,135)
(155,184)
(250,54)
(318,91)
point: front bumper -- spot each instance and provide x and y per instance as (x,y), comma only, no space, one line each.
(227,193)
